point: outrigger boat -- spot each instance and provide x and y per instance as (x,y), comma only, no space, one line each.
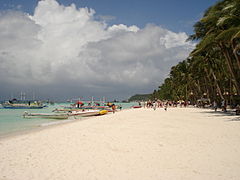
(82,109)
(91,105)
(20,104)
(45,115)
(85,113)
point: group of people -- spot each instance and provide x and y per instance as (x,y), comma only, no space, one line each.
(156,103)
(163,104)
(114,107)
(80,104)
(224,106)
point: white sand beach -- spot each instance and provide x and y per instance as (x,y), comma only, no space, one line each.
(136,144)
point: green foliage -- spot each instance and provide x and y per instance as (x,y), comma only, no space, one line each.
(212,68)
(228,34)
(236,36)
(140,97)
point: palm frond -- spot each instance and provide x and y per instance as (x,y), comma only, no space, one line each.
(227,35)
(207,41)
(236,36)
(229,21)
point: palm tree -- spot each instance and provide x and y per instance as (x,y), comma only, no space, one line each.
(214,65)
(213,30)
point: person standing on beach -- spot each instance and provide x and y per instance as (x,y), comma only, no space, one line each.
(154,105)
(120,107)
(238,110)
(113,108)
(215,105)
(165,106)
(224,106)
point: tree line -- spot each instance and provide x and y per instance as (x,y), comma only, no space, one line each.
(212,69)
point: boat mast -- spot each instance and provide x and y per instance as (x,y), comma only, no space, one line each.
(33,96)
(21,96)
(24,96)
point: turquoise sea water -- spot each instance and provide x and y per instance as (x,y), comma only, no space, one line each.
(12,121)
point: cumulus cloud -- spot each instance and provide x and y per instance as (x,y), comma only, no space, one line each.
(65,48)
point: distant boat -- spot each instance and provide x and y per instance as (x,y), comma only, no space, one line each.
(23,104)
(136,107)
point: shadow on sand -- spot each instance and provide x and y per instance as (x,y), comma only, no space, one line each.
(235,119)
(221,113)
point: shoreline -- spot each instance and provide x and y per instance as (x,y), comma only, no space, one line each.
(59,123)
(181,143)
(19,125)
(54,124)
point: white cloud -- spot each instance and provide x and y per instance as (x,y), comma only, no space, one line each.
(66,45)
(123,28)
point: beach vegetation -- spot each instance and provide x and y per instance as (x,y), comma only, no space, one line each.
(212,69)
(140,97)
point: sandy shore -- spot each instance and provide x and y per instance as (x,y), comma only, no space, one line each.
(138,144)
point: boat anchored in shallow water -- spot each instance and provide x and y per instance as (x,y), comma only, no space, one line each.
(45,115)
(87,113)
(20,104)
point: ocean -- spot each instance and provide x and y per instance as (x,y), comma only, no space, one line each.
(12,121)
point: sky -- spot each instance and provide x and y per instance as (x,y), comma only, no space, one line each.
(62,49)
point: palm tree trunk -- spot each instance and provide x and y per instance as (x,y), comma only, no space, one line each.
(206,86)
(235,49)
(208,80)
(237,57)
(216,82)
(211,62)
(198,87)
(230,67)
